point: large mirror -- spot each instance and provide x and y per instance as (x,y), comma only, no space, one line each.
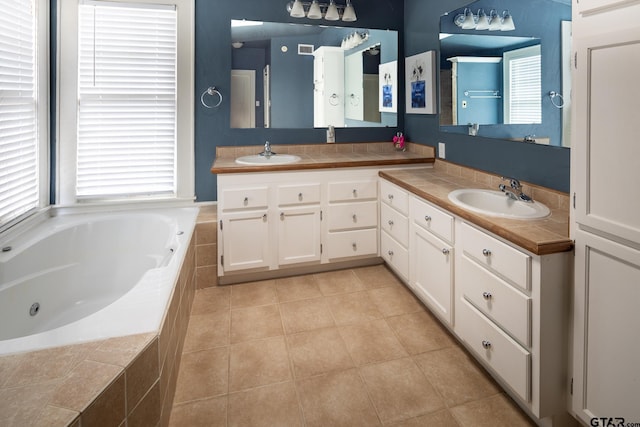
(274,83)
(511,83)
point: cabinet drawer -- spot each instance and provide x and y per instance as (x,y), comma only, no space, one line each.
(395,255)
(298,194)
(345,244)
(495,348)
(394,196)
(245,198)
(395,224)
(431,219)
(353,190)
(500,301)
(353,215)
(508,262)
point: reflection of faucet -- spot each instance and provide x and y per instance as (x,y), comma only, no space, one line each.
(530,138)
(331,134)
(516,190)
(473,128)
(267,150)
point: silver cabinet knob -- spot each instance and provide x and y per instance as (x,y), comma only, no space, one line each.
(427,218)
(390,253)
(487,295)
(486,252)
(355,218)
(282,216)
(354,246)
(355,193)
(390,196)
(486,344)
(300,196)
(445,251)
(264,217)
(390,222)
(246,200)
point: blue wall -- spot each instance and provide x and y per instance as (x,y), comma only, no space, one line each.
(539,164)
(479,76)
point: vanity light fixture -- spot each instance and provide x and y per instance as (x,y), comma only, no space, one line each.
(316,10)
(481,21)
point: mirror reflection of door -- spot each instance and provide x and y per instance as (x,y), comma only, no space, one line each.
(243,98)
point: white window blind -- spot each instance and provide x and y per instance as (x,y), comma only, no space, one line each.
(126,142)
(19,174)
(525,90)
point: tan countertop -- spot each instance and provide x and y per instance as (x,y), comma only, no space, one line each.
(544,236)
(324,156)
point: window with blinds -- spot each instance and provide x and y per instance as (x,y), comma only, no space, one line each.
(127,114)
(524,99)
(19,133)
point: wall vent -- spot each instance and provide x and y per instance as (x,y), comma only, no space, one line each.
(305,49)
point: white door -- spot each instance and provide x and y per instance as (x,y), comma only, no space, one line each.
(243,98)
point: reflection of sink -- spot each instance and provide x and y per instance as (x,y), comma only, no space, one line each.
(274,159)
(496,203)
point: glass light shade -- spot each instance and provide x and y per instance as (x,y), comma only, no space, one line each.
(332,12)
(483,21)
(469,22)
(349,14)
(494,21)
(507,23)
(314,11)
(297,10)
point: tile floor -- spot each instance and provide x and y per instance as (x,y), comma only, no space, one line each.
(345,348)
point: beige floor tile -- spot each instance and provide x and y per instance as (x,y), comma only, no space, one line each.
(207,331)
(201,413)
(377,276)
(269,406)
(257,363)
(306,315)
(338,282)
(399,390)
(420,332)
(353,307)
(371,342)
(336,399)
(297,288)
(203,374)
(441,418)
(211,299)
(255,322)
(253,294)
(393,301)
(456,376)
(317,352)
(494,411)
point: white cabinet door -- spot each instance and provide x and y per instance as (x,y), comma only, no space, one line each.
(299,235)
(432,272)
(606,345)
(245,240)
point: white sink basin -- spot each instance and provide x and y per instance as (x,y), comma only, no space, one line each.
(274,159)
(497,203)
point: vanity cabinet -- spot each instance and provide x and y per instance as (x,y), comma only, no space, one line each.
(394,225)
(432,257)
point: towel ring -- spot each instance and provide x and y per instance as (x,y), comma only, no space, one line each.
(553,96)
(213,92)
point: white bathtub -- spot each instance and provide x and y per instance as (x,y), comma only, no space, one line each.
(82,277)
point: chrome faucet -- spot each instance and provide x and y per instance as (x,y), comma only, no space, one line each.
(267,150)
(515,192)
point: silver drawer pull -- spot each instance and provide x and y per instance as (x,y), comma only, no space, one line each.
(354,246)
(355,193)
(300,196)
(486,344)
(390,223)
(445,251)
(282,216)
(355,218)
(390,253)
(264,217)
(390,196)
(486,252)
(487,295)
(246,200)
(427,218)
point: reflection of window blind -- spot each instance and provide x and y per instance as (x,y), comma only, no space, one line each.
(525,90)
(19,187)
(127,100)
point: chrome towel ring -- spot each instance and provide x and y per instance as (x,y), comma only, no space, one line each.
(211,91)
(553,95)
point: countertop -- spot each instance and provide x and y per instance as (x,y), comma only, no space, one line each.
(325,156)
(541,237)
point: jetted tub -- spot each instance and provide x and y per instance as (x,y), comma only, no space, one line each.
(83,277)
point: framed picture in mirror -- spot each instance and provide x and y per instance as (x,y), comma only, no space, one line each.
(420,83)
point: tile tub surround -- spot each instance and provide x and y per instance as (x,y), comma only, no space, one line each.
(543,236)
(207,247)
(344,348)
(324,156)
(118,381)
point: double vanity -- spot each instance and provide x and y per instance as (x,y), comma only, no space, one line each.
(500,285)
